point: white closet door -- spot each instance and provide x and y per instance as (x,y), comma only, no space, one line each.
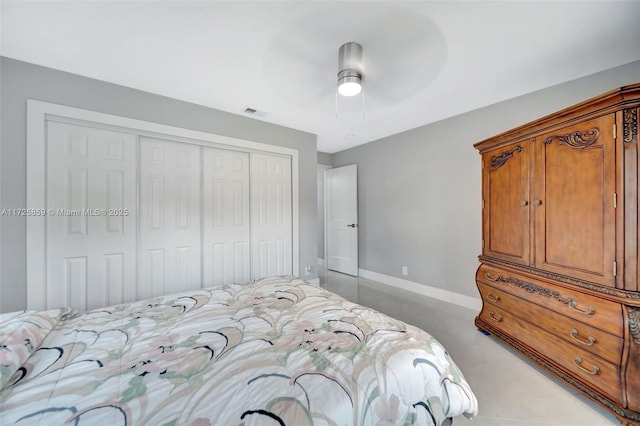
(226,220)
(91,218)
(169,230)
(271,232)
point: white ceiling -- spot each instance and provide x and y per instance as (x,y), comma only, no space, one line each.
(423,61)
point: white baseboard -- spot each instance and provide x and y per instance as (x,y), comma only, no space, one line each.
(474,303)
(320,261)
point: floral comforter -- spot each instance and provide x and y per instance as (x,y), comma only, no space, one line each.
(277,351)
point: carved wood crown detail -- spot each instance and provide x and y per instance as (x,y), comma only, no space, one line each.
(497,161)
(634,323)
(576,139)
(630,125)
(629,295)
(531,288)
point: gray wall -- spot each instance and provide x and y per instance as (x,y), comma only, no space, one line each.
(20,81)
(419,192)
(324,158)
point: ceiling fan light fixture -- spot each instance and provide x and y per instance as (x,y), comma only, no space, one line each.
(350,69)
(349,84)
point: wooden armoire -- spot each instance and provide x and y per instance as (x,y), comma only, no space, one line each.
(560,264)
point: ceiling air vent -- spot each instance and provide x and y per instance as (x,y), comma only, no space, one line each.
(253,111)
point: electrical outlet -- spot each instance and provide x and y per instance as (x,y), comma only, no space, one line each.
(405,270)
(307,270)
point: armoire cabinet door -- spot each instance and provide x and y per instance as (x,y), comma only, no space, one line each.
(506,202)
(574,201)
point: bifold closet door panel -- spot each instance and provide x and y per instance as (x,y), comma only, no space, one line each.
(169,246)
(226,218)
(91,217)
(271,211)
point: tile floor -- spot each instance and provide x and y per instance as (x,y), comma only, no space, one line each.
(510,390)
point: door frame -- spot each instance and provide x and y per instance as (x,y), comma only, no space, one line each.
(39,113)
(324,168)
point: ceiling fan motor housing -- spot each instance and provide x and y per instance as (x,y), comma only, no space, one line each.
(350,63)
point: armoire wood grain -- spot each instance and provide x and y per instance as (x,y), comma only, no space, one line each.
(559,266)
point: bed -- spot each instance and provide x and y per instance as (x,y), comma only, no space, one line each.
(276,351)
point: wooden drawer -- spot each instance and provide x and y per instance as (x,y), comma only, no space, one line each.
(599,313)
(586,367)
(577,333)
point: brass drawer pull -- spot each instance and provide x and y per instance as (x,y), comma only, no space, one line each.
(578,362)
(493,316)
(590,310)
(574,335)
(490,278)
(492,298)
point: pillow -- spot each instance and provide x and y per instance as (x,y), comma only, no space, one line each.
(21,333)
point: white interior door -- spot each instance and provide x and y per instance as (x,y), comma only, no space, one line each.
(169,244)
(91,217)
(226,219)
(342,219)
(271,227)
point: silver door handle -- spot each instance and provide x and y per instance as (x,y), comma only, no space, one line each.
(353,225)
